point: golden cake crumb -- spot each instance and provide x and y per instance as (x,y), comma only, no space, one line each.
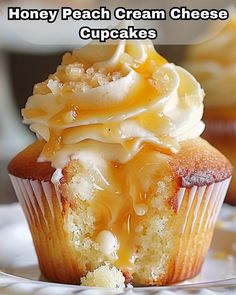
(104,276)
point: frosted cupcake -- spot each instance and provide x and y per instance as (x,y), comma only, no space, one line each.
(214,64)
(119,184)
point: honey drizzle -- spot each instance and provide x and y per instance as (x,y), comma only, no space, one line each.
(115,210)
(116,215)
(59,118)
(137,97)
(151,64)
(32,113)
(114,206)
(141,95)
(55,142)
(53,145)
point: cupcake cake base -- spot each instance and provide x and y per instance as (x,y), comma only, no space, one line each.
(161,243)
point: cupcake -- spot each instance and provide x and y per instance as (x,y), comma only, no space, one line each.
(119,184)
(214,65)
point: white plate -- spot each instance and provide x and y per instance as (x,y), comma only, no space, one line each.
(19,272)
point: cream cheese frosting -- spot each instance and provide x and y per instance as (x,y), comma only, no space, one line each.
(112,99)
(214,64)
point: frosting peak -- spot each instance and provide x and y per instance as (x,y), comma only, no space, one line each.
(114,98)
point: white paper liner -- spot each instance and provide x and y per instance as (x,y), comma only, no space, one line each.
(30,192)
(199,207)
(209,199)
(220,127)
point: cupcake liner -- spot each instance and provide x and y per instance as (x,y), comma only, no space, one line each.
(218,129)
(45,209)
(42,205)
(221,128)
(221,133)
(201,209)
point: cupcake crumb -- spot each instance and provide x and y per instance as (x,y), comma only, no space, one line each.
(104,276)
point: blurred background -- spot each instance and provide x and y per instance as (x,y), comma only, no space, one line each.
(23,64)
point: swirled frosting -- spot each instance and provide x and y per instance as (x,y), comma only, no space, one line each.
(114,98)
(214,64)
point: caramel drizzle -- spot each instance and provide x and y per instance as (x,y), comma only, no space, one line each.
(72,114)
(114,205)
(115,210)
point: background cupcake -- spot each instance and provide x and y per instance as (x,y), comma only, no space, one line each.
(214,65)
(119,176)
